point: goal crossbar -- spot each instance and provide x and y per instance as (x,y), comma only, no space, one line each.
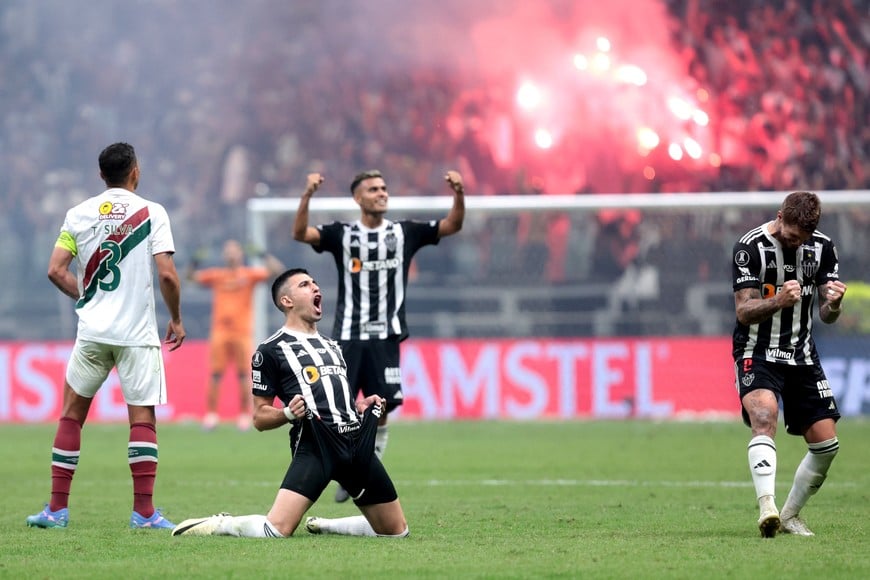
(260,208)
(592,202)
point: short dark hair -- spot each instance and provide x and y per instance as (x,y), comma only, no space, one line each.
(802,209)
(360,177)
(116,162)
(279,282)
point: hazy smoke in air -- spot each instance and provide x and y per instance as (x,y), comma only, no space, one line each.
(493,36)
(237,68)
(576,118)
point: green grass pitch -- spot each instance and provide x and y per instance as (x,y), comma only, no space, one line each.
(629,499)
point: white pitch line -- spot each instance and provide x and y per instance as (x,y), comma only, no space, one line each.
(590,483)
(530,483)
(571,483)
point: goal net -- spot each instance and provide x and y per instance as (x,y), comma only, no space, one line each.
(567,266)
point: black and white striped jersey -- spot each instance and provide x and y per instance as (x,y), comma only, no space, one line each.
(760,261)
(373,269)
(290,363)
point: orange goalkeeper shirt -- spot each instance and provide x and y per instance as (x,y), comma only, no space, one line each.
(233,290)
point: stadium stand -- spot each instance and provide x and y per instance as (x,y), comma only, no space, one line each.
(241,107)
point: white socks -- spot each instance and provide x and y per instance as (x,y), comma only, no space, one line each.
(762,465)
(247,527)
(810,475)
(352,526)
(808,478)
(349,526)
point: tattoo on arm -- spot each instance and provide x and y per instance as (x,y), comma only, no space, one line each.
(751,308)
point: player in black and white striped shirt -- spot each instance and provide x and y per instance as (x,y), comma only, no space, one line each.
(778,270)
(373,256)
(332,435)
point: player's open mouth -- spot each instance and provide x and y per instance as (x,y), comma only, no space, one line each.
(317,300)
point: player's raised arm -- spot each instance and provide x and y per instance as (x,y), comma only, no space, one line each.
(302,232)
(453,222)
(273,264)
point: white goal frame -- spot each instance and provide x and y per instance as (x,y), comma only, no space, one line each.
(258,208)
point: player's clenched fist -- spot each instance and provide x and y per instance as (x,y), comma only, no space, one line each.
(454,179)
(790,293)
(313,183)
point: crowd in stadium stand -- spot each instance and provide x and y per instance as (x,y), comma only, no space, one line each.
(251,104)
(791,85)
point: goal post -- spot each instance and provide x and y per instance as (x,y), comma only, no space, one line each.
(464,299)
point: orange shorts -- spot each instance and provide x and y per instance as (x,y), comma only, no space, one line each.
(226,349)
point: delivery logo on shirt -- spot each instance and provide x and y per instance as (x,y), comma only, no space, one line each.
(110,210)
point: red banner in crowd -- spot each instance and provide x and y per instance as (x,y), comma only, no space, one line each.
(443,379)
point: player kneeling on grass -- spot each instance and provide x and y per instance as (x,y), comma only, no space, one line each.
(332,436)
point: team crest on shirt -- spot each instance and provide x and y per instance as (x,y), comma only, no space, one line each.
(809,264)
(747,379)
(390,241)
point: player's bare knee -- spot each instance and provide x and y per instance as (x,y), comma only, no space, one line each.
(763,423)
(394,529)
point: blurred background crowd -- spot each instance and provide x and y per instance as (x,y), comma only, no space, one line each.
(226,100)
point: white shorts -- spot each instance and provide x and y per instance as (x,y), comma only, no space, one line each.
(140,371)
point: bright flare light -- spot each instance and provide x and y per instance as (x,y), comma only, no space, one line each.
(692,147)
(680,108)
(647,139)
(603,44)
(700,117)
(543,139)
(631,74)
(581,62)
(528,96)
(601,62)
(675,151)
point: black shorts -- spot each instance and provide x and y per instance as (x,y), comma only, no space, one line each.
(321,454)
(802,390)
(373,368)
